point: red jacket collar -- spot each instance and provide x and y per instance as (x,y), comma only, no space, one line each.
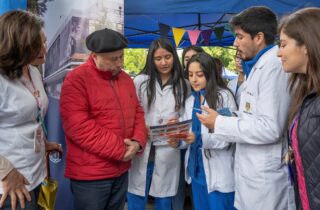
(104,74)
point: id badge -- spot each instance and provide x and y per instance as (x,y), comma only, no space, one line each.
(38,139)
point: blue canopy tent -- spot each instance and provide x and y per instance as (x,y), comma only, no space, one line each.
(6,5)
(142,18)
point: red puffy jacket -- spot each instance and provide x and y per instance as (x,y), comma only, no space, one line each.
(98,112)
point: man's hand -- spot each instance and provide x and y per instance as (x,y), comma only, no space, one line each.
(208,119)
(132,147)
(14,186)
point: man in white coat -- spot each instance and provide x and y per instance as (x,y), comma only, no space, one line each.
(261,175)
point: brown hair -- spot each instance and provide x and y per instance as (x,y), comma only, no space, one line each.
(197,49)
(20,41)
(220,67)
(303,27)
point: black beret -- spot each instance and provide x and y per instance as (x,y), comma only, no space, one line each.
(106,40)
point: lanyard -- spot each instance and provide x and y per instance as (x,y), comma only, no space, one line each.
(294,121)
(29,84)
(290,150)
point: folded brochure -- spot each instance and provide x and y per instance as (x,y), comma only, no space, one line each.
(159,134)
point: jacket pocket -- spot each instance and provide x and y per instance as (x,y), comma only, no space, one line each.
(251,162)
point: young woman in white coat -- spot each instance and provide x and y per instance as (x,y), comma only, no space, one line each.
(209,163)
(179,198)
(162,91)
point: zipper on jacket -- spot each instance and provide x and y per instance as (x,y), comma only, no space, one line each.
(117,98)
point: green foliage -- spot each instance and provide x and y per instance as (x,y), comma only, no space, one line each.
(226,55)
(134,60)
(38,7)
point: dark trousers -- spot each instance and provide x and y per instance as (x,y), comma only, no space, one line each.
(32,205)
(106,194)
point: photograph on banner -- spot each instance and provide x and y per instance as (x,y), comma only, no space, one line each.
(159,134)
(67,24)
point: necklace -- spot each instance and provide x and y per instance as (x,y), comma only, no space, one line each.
(29,84)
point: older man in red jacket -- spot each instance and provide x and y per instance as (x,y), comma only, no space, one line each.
(103,123)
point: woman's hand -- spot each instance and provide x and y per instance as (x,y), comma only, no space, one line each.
(174,143)
(190,138)
(14,186)
(172,120)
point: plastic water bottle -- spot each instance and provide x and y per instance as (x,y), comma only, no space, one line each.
(55,157)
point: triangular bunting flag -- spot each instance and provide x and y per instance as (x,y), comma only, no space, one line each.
(219,32)
(178,34)
(164,30)
(228,27)
(193,36)
(206,34)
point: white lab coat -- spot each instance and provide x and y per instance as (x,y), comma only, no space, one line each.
(217,156)
(18,114)
(165,177)
(261,177)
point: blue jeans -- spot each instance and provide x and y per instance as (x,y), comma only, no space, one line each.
(103,194)
(136,202)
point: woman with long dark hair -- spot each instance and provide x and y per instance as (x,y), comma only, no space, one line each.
(188,52)
(209,163)
(162,91)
